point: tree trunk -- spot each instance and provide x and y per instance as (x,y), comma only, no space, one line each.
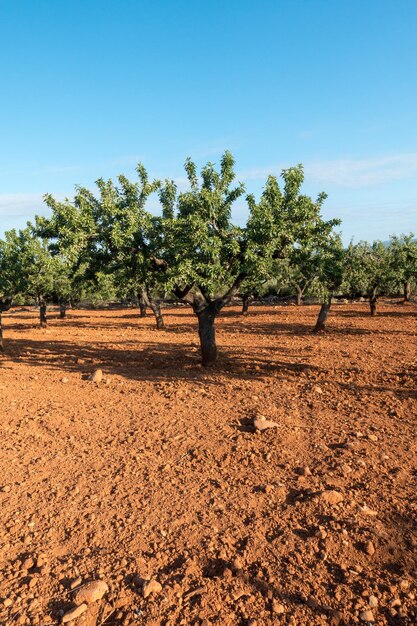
(372,302)
(322,317)
(207,333)
(42,314)
(142,303)
(1,335)
(299,296)
(407,291)
(156,308)
(62,310)
(245,303)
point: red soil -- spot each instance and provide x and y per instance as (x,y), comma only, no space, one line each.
(156,471)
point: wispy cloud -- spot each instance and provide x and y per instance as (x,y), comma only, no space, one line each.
(364,172)
(349,173)
(19,204)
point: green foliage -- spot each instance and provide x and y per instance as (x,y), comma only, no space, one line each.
(330,266)
(12,281)
(30,269)
(110,233)
(367,268)
(402,253)
(201,247)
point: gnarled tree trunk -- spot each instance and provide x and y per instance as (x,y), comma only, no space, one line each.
(156,309)
(62,310)
(322,317)
(373,301)
(407,291)
(155,305)
(143,304)
(1,334)
(246,299)
(4,306)
(300,292)
(207,334)
(42,314)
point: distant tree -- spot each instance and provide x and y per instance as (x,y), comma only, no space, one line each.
(111,233)
(12,282)
(367,270)
(296,230)
(403,262)
(38,268)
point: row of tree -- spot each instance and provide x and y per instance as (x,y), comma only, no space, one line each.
(108,242)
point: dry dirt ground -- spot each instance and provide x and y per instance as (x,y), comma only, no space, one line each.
(156,472)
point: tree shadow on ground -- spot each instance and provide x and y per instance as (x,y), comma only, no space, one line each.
(153,361)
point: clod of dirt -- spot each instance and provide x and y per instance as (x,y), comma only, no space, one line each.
(261,424)
(151,586)
(304,471)
(335,617)
(332,497)
(28,563)
(370,548)
(76,582)
(74,613)
(278,608)
(365,510)
(96,376)
(367,616)
(91,592)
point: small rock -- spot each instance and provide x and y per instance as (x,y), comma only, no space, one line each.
(96,376)
(365,510)
(373,602)
(74,613)
(278,608)
(76,582)
(370,548)
(261,424)
(151,586)
(91,592)
(7,602)
(64,380)
(335,617)
(28,563)
(332,497)
(367,616)
(237,563)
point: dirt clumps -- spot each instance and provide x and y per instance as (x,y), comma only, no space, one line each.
(154,478)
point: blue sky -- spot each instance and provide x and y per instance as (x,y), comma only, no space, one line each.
(90,87)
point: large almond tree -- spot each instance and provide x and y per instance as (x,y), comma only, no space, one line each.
(207,258)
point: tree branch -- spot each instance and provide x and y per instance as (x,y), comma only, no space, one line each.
(224,300)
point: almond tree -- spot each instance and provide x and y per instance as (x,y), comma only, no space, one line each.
(403,262)
(367,270)
(111,233)
(329,262)
(207,258)
(12,282)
